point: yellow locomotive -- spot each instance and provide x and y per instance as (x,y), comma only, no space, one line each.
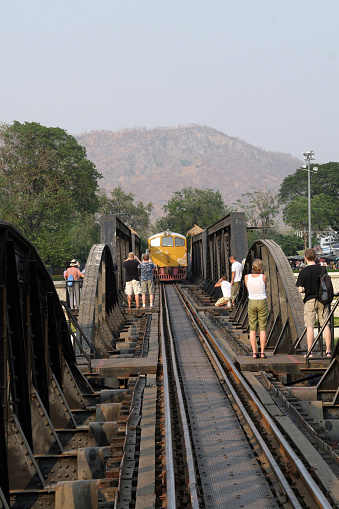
(168,251)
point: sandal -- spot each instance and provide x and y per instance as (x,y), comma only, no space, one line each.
(311,355)
(263,356)
(255,355)
(328,354)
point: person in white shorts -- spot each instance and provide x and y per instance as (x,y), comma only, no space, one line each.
(226,289)
(132,279)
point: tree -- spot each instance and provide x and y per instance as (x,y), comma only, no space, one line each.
(189,207)
(46,181)
(85,232)
(295,213)
(136,216)
(261,208)
(289,243)
(293,195)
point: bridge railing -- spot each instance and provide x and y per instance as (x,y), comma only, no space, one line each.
(121,240)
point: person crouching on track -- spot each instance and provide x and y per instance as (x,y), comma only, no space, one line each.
(132,279)
(146,277)
(257,306)
(226,289)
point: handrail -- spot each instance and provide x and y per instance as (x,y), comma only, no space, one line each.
(82,334)
(68,288)
(319,336)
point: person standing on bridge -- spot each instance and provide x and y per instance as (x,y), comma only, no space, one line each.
(146,276)
(72,276)
(132,279)
(307,283)
(236,269)
(257,306)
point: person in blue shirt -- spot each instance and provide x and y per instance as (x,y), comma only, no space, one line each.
(146,278)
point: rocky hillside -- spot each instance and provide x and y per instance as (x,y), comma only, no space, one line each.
(154,163)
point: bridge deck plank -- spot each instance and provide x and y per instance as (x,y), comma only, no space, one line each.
(124,367)
(281,363)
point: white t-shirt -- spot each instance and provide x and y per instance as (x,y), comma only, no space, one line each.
(237,268)
(226,289)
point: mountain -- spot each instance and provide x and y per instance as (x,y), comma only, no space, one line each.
(153,163)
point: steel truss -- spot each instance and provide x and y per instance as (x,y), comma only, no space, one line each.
(121,239)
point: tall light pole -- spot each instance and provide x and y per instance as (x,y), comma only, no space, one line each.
(309,156)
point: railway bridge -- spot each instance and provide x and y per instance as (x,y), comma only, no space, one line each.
(165,406)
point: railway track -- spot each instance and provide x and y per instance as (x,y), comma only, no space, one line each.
(228,450)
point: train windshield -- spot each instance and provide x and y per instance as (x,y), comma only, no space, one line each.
(179,241)
(155,242)
(167,241)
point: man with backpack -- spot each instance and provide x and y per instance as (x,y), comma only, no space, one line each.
(315,300)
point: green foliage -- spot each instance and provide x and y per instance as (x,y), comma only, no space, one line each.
(261,208)
(85,232)
(289,243)
(136,216)
(46,181)
(189,207)
(323,209)
(293,195)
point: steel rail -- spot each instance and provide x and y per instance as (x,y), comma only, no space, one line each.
(187,440)
(312,488)
(170,474)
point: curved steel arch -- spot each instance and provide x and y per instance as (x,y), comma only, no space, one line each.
(285,320)
(100,316)
(39,379)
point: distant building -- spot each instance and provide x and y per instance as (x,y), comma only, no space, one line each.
(330,243)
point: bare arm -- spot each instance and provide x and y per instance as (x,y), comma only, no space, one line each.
(218,283)
(232,280)
(245,279)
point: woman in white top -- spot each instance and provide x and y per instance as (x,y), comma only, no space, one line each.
(257,306)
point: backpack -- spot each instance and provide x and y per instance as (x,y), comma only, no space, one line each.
(70,280)
(325,288)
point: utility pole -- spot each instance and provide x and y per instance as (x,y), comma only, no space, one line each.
(309,156)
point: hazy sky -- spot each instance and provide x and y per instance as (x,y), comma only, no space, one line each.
(261,70)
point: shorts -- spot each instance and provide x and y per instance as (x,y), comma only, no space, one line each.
(257,312)
(147,286)
(222,301)
(312,308)
(132,287)
(235,289)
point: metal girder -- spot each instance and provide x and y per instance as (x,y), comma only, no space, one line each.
(212,247)
(100,301)
(40,383)
(121,240)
